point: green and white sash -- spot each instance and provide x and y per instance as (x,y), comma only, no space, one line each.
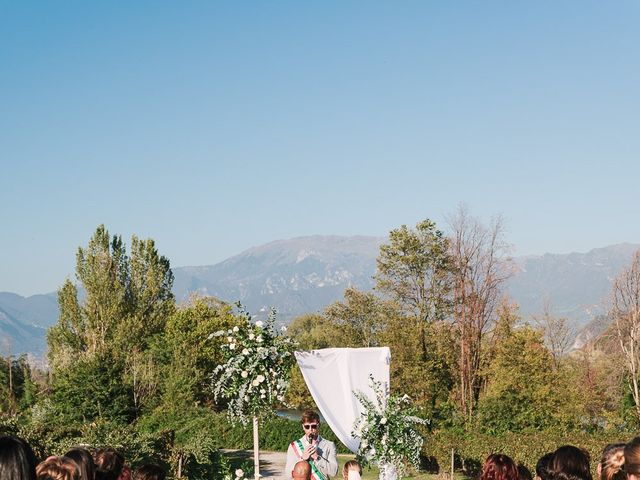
(298,448)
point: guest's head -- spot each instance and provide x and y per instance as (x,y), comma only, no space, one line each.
(17,461)
(570,463)
(57,468)
(310,423)
(109,464)
(611,465)
(632,459)
(543,470)
(149,472)
(351,470)
(499,467)
(84,460)
(301,471)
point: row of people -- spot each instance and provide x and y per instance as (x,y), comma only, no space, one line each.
(619,461)
(18,462)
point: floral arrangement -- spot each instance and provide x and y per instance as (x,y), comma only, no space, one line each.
(387,429)
(255,374)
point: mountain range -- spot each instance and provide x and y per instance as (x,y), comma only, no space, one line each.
(305,274)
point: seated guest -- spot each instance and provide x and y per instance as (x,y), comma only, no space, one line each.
(570,463)
(301,471)
(57,468)
(611,465)
(109,464)
(312,448)
(149,472)
(351,470)
(84,461)
(632,459)
(499,467)
(17,461)
(542,467)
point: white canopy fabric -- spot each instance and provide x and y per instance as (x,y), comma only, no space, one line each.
(333,374)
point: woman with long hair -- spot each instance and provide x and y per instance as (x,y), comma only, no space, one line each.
(499,467)
(17,461)
(570,463)
(84,460)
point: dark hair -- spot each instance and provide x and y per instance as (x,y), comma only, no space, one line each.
(570,463)
(149,471)
(499,467)
(109,464)
(309,415)
(57,468)
(612,462)
(17,461)
(543,470)
(84,460)
(632,457)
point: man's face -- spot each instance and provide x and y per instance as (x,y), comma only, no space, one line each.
(311,427)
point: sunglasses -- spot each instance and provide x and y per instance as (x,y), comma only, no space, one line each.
(307,427)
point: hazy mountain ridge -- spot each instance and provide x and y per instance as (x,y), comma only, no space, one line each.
(305,274)
(299,275)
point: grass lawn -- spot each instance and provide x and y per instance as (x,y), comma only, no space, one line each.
(372,473)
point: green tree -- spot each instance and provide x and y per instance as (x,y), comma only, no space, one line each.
(362,316)
(187,352)
(414,270)
(521,391)
(125,304)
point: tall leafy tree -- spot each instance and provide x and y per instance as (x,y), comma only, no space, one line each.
(521,388)
(414,269)
(125,301)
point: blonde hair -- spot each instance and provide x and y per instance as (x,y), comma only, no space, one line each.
(57,468)
(351,465)
(612,462)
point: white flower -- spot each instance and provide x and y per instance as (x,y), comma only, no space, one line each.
(245,351)
(239,473)
(246,398)
(251,336)
(260,378)
(229,339)
(259,324)
(211,335)
(262,390)
(232,346)
(283,328)
(244,374)
(255,383)
(259,339)
(236,329)
(383,421)
(263,396)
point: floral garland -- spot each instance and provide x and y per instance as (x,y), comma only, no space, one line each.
(387,429)
(255,374)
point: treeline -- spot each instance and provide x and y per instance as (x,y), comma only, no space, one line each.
(461,350)
(128,367)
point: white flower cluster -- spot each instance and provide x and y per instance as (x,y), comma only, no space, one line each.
(256,371)
(387,430)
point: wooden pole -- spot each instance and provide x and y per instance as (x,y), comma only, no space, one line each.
(256,450)
(452,460)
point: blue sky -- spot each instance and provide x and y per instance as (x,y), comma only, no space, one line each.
(215,126)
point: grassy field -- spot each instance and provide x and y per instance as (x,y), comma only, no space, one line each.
(372,473)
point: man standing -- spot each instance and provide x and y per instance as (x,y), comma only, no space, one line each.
(312,448)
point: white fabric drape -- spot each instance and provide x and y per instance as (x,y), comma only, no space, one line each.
(333,374)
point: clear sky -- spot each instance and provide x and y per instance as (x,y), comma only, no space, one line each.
(216,126)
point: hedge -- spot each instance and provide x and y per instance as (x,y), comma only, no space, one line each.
(471,448)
